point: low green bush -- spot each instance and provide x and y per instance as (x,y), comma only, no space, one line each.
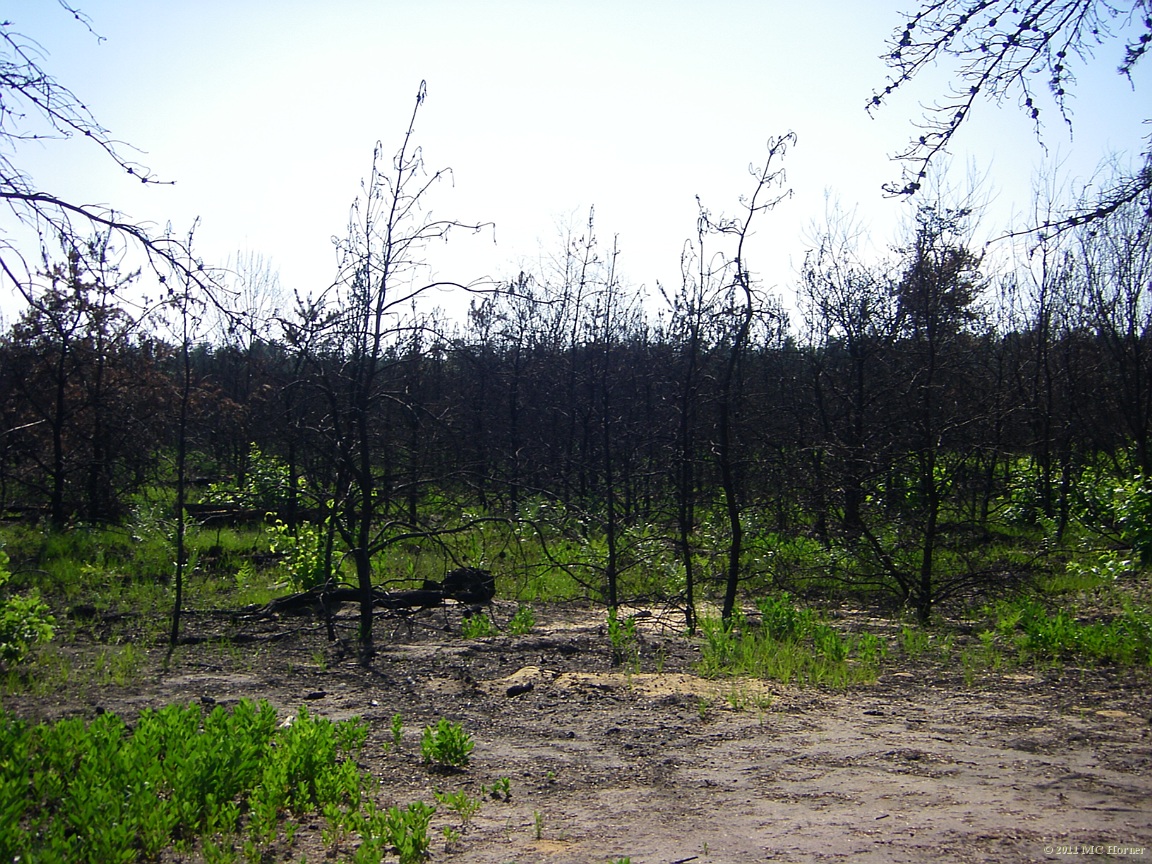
(24,620)
(622,637)
(521,622)
(476,627)
(446,744)
(99,791)
(460,803)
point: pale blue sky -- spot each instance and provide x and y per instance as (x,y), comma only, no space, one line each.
(266,113)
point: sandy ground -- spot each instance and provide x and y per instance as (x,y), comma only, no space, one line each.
(661,766)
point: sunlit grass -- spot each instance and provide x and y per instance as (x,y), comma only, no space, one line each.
(119,664)
(48,670)
(1123,637)
(789,645)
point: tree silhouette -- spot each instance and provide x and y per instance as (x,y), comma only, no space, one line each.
(358,340)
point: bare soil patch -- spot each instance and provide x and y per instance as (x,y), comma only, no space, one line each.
(662,766)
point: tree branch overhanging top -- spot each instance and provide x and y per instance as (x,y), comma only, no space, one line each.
(34,106)
(1010,49)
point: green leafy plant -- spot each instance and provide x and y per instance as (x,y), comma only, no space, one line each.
(1132,511)
(502,789)
(522,621)
(451,835)
(622,637)
(397,729)
(461,804)
(446,744)
(830,644)
(1040,636)
(408,831)
(914,640)
(782,619)
(702,707)
(1100,567)
(871,650)
(267,484)
(24,620)
(401,830)
(304,553)
(477,627)
(740,698)
(101,791)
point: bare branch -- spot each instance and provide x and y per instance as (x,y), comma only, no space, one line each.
(1007,49)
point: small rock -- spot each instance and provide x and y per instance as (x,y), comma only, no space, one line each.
(520,689)
(314,695)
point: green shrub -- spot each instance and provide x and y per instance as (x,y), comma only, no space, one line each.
(476,627)
(501,789)
(461,804)
(446,744)
(99,791)
(24,620)
(304,553)
(267,484)
(407,831)
(397,729)
(1132,508)
(622,637)
(914,640)
(781,619)
(522,622)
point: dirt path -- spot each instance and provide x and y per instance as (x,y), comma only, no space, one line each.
(662,766)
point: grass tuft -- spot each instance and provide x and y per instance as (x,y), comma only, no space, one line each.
(789,645)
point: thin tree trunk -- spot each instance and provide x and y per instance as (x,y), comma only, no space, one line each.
(181,484)
(725,455)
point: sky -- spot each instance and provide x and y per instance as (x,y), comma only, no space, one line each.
(265,114)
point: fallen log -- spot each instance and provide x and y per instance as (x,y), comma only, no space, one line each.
(328,600)
(235,514)
(467,585)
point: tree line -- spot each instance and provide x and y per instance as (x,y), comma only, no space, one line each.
(903,414)
(907,414)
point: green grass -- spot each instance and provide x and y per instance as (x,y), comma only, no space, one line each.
(791,645)
(914,640)
(46,671)
(1121,638)
(128,570)
(119,664)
